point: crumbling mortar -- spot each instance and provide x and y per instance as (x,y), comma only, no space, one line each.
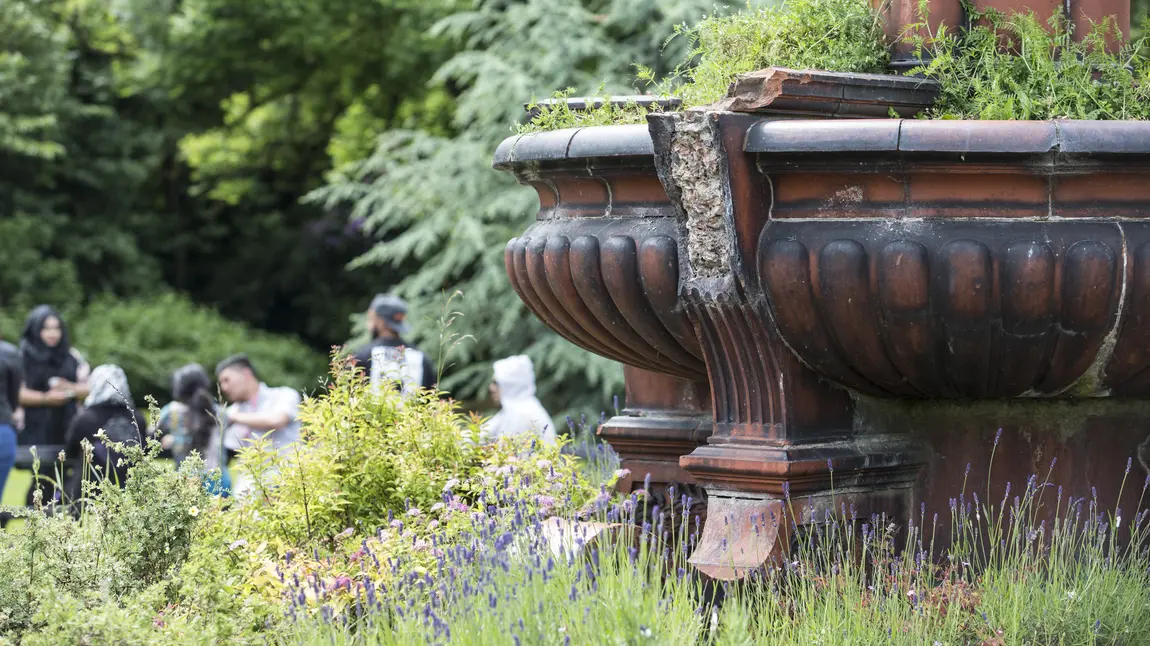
(697,170)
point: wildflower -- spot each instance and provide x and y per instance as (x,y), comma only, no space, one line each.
(101,435)
(414,512)
(194,511)
(433,524)
(543,464)
(396,524)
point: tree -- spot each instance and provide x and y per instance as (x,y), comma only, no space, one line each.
(434,199)
(72,158)
(271,95)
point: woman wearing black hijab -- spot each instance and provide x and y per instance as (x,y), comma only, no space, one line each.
(54,379)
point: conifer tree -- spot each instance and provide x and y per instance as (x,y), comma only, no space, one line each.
(435,200)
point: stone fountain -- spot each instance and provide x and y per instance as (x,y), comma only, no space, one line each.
(819,305)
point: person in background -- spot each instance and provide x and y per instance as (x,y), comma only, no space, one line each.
(55,381)
(519,410)
(11,380)
(387,355)
(191,422)
(256,410)
(109,416)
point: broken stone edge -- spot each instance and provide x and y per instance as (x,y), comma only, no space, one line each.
(792,93)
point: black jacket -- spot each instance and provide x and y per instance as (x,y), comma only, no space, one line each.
(11,378)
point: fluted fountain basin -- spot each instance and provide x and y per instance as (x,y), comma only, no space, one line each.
(601,267)
(959,259)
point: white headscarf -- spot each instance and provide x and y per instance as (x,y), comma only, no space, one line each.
(520,411)
(108,385)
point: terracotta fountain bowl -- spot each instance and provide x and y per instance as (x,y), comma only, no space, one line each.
(601,265)
(957,259)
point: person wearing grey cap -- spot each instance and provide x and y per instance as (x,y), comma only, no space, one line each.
(387,355)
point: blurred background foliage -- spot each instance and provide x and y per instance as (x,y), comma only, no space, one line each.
(187,178)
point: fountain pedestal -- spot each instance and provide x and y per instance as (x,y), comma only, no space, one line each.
(862,297)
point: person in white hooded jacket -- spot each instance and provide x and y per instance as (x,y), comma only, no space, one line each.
(519,410)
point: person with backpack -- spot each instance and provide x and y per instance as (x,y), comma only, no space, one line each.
(388,357)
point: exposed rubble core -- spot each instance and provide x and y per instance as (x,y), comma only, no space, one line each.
(697,171)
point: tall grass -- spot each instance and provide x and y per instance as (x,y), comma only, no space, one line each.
(1038,567)
(529,581)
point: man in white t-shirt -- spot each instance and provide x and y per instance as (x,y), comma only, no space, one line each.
(256,410)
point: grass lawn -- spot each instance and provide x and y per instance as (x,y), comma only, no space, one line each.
(15,489)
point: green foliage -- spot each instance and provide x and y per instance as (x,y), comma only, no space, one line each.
(138,620)
(149,338)
(1018,68)
(267,95)
(364,455)
(128,539)
(839,35)
(153,144)
(435,204)
(33,78)
(560,115)
(73,157)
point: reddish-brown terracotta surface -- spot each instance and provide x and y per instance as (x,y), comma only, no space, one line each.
(954,277)
(900,15)
(1082,447)
(601,267)
(665,418)
(983,269)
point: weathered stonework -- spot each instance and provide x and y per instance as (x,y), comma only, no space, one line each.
(865,302)
(694,168)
